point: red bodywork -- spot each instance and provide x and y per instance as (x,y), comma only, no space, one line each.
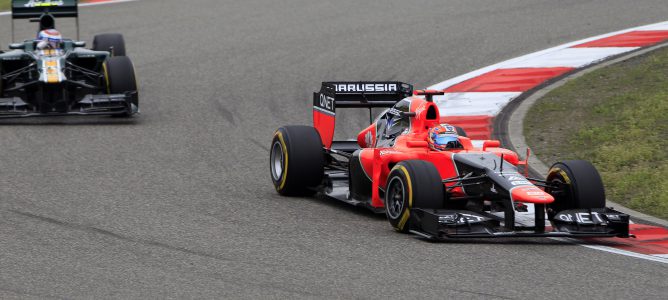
(377,162)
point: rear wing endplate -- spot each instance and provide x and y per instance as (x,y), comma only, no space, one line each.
(40,9)
(347,94)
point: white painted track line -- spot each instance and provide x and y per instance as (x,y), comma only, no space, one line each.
(571,57)
(661,258)
(106,2)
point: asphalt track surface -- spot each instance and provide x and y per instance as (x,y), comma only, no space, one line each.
(178,203)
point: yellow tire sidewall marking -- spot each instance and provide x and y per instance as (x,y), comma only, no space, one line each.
(407,211)
(284,176)
(562,173)
(106,77)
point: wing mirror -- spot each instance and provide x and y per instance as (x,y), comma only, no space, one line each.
(490,144)
(525,163)
(79,44)
(16,46)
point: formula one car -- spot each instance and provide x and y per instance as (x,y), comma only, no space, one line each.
(38,79)
(465,191)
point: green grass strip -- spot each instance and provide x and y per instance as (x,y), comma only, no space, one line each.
(4,5)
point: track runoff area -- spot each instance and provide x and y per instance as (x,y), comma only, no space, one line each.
(473,100)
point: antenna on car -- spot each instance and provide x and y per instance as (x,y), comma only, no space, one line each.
(501,166)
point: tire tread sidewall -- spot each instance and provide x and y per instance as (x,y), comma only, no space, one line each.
(424,190)
(303,169)
(121,77)
(585,185)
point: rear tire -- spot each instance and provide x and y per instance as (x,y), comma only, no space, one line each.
(583,187)
(120,78)
(412,183)
(296,160)
(110,42)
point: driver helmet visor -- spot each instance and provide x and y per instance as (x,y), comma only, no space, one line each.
(51,37)
(444,139)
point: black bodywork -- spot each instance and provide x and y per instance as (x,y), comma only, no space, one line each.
(443,224)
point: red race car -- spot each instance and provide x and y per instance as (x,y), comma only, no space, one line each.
(428,177)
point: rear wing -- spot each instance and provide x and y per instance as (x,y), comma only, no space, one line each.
(346,94)
(28,9)
(44,12)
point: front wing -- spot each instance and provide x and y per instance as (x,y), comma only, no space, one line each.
(113,104)
(441,224)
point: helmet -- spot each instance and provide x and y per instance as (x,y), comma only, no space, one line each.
(50,38)
(443,137)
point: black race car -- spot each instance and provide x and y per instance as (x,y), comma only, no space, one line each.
(67,80)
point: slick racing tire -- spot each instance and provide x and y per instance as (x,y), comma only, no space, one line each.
(582,186)
(412,184)
(120,78)
(110,42)
(460,131)
(296,160)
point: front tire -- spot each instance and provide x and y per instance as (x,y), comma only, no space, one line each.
(582,186)
(296,160)
(412,183)
(120,78)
